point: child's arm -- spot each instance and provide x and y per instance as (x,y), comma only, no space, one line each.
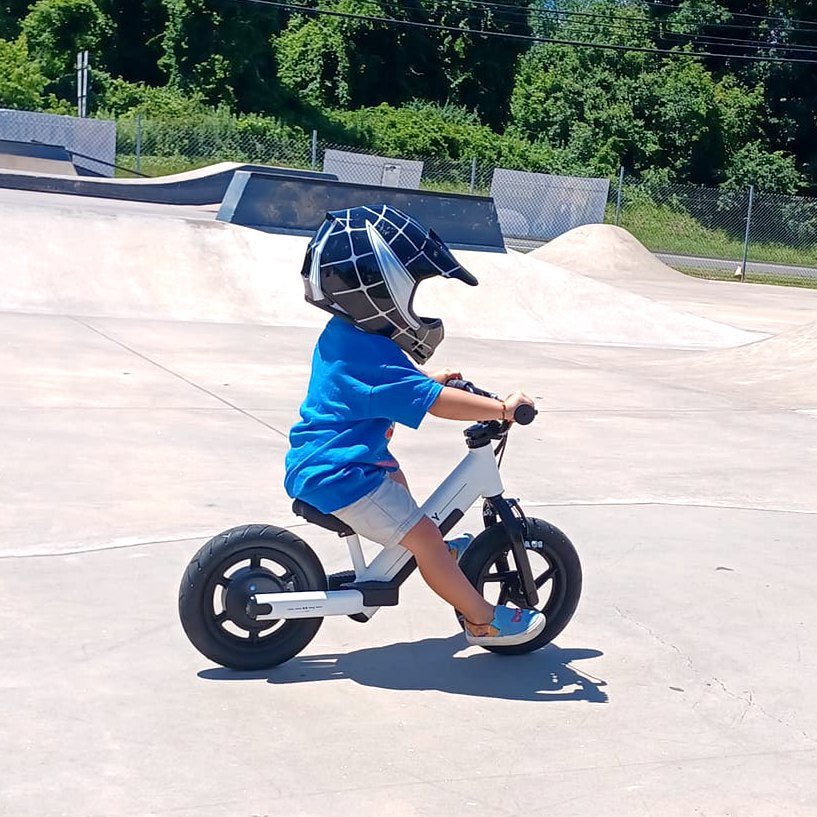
(443,375)
(455,404)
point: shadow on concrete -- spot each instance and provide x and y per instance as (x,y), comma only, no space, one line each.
(544,675)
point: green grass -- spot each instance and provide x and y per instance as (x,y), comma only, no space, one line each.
(751,277)
(663,229)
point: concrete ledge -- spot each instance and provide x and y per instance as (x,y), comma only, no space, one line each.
(277,204)
(207,185)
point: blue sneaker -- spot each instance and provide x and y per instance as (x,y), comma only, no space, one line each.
(458,546)
(510,626)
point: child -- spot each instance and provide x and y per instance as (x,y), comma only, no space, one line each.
(363,266)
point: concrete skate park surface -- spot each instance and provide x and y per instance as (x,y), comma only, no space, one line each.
(152,362)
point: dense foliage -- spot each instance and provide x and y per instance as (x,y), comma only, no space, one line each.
(443,86)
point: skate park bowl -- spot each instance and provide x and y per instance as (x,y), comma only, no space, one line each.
(153,359)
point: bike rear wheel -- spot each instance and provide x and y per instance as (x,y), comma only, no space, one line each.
(219,582)
(489,565)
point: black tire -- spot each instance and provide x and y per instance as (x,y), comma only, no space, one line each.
(559,584)
(216,587)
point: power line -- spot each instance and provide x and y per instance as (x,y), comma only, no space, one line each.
(516,14)
(391,21)
(539,10)
(742,14)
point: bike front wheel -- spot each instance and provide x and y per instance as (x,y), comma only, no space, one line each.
(489,565)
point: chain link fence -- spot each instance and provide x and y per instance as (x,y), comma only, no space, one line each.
(89,143)
(708,232)
(743,234)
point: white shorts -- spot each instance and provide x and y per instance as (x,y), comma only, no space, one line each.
(384,516)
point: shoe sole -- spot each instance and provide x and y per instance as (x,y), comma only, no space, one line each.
(506,640)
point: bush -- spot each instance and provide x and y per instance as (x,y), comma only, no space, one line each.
(21,81)
(117,97)
(213,135)
(444,133)
(774,172)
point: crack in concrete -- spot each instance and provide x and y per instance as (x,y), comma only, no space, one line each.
(179,376)
(747,698)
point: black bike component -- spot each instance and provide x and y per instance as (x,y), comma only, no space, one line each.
(487,563)
(450,521)
(336,580)
(322,520)
(516,532)
(489,516)
(520,514)
(481,434)
(467,385)
(524,414)
(376,594)
(217,589)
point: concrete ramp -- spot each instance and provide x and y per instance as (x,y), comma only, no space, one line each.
(35,158)
(205,185)
(606,252)
(71,261)
(279,204)
(611,255)
(522,298)
(780,371)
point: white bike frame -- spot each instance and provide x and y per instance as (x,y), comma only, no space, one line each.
(477,475)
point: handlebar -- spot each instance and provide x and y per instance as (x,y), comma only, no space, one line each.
(522,414)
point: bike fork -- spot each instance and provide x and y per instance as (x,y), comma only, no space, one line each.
(515,525)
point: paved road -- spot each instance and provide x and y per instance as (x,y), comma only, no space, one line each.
(680,261)
(779,270)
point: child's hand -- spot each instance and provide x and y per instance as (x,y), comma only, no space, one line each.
(512,401)
(444,375)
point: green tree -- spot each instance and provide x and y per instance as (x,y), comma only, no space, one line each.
(478,71)
(57,29)
(137,45)
(588,103)
(355,62)
(680,108)
(221,49)
(772,171)
(21,82)
(11,12)
(695,17)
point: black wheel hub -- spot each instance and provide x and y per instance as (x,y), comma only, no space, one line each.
(246,582)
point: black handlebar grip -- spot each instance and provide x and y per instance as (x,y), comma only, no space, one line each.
(524,414)
(467,385)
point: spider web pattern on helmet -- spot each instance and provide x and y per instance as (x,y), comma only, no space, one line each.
(365,263)
(349,222)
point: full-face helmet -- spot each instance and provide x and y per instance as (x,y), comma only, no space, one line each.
(365,263)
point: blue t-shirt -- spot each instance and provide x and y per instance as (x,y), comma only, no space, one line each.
(361,384)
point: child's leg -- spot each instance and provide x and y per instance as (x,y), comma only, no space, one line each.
(386,514)
(443,575)
(440,571)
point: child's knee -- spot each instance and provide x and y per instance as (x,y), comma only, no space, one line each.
(425,535)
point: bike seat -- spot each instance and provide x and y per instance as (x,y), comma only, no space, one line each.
(324,520)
